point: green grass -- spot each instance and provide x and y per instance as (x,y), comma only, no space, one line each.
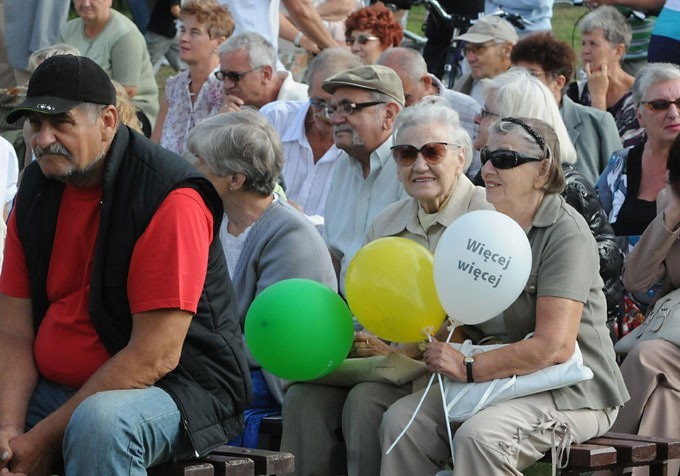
(565,16)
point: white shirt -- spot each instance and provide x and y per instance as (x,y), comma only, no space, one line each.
(291,90)
(354,201)
(259,16)
(9,174)
(307,183)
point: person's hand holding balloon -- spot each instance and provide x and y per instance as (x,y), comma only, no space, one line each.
(441,358)
(368,345)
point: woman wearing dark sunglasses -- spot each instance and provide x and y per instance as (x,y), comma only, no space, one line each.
(517,93)
(634,176)
(371,30)
(561,304)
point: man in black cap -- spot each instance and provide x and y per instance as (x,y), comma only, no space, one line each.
(119,344)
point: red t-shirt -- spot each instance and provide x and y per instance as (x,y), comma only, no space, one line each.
(167,270)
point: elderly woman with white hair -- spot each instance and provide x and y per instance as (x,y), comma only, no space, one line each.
(320,422)
(265,239)
(517,93)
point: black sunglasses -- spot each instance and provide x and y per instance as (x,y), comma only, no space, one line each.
(506,159)
(233,76)
(433,153)
(661,104)
(362,39)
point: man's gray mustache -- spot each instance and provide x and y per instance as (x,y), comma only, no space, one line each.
(56,149)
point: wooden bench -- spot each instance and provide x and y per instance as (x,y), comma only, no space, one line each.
(271,429)
(620,450)
(229,461)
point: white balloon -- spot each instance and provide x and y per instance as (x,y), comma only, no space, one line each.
(481,265)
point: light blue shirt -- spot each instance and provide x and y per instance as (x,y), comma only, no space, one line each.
(354,201)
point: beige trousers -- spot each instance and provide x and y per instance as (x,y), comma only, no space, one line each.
(502,439)
(652,374)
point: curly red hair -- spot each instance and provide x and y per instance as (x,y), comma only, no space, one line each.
(380,21)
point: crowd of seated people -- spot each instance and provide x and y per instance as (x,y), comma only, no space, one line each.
(297,176)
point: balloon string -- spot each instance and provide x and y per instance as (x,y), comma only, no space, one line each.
(451,328)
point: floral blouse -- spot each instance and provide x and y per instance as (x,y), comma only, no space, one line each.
(182,114)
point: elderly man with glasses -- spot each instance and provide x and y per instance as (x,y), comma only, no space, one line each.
(248,70)
(488,44)
(307,135)
(364,103)
(328,432)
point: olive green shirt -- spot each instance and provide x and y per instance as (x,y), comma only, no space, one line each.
(120,50)
(566,264)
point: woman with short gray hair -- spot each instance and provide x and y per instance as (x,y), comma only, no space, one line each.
(605,39)
(265,239)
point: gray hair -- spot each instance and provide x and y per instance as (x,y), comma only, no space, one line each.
(91,110)
(240,142)
(613,24)
(519,94)
(331,61)
(556,181)
(432,110)
(411,63)
(260,51)
(42,54)
(651,74)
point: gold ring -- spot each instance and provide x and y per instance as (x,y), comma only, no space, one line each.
(367,342)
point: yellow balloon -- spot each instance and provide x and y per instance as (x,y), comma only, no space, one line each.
(390,289)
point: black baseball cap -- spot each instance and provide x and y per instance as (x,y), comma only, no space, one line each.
(61,83)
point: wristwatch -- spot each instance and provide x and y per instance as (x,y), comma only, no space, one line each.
(468,361)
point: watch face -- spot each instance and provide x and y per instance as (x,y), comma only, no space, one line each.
(469,360)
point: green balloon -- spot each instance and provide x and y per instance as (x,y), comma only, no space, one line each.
(299,329)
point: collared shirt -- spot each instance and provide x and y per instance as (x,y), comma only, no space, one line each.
(354,201)
(291,90)
(307,183)
(401,218)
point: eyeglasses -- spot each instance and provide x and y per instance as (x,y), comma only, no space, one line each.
(506,159)
(477,48)
(347,108)
(486,113)
(433,153)
(233,76)
(362,39)
(318,103)
(661,104)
